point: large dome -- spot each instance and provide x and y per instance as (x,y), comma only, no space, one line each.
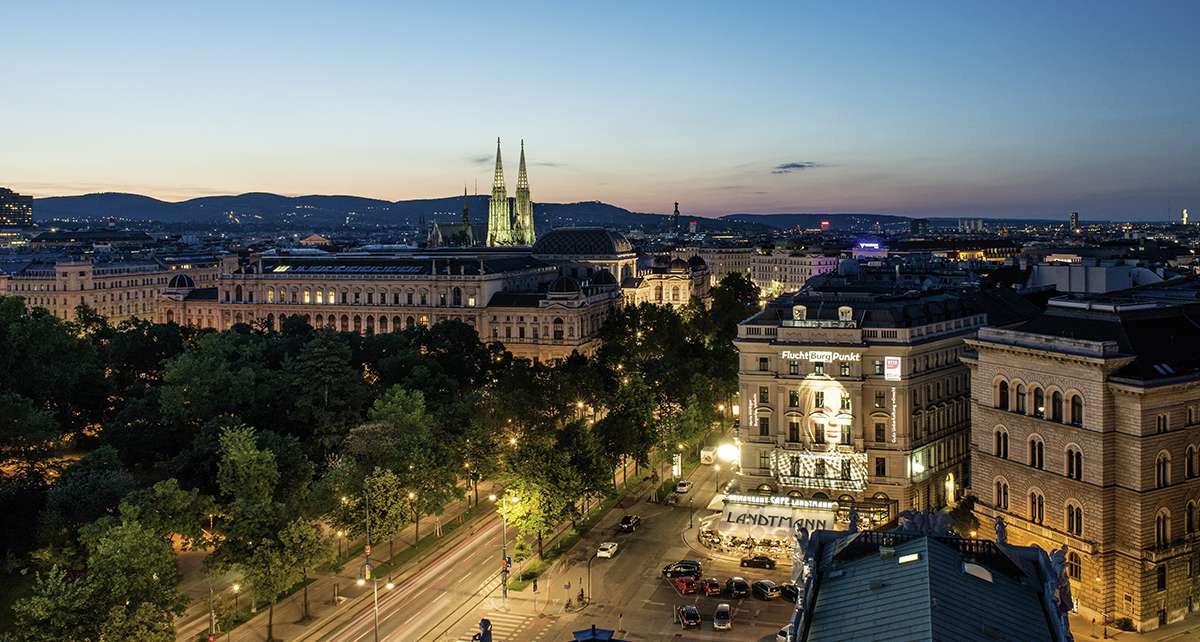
(697,262)
(180,282)
(564,285)
(582,241)
(603,277)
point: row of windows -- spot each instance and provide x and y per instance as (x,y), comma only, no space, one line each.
(330,297)
(1072,454)
(1072,514)
(764,397)
(1038,399)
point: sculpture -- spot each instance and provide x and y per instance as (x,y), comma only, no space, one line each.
(926,522)
(853,519)
(1059,586)
(1001,530)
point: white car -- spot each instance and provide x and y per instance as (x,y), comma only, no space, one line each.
(607,549)
(683,486)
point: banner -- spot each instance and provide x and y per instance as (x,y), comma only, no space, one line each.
(743,520)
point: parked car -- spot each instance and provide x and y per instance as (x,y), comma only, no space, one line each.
(737,587)
(681,568)
(683,486)
(629,523)
(607,549)
(758,561)
(711,586)
(722,617)
(782,635)
(765,590)
(689,617)
(789,592)
(687,585)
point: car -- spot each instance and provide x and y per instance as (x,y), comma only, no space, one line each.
(737,587)
(629,523)
(784,634)
(689,616)
(683,486)
(686,585)
(765,590)
(711,586)
(758,561)
(681,568)
(607,549)
(722,617)
(789,592)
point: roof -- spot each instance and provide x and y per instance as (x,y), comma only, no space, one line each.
(181,281)
(587,241)
(91,236)
(870,596)
(201,294)
(516,299)
(396,265)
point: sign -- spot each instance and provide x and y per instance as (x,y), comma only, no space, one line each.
(891,368)
(777,522)
(821,355)
(677,464)
(893,414)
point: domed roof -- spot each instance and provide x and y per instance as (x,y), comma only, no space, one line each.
(660,261)
(679,265)
(181,281)
(582,241)
(564,285)
(697,262)
(603,277)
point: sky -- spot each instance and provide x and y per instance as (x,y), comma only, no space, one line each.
(962,109)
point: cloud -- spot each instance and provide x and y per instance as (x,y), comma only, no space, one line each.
(481,159)
(549,164)
(794,166)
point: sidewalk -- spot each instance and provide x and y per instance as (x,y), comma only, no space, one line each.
(323,585)
(1187,629)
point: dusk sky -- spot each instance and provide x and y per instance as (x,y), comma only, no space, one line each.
(962,109)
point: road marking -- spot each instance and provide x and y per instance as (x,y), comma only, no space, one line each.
(505,626)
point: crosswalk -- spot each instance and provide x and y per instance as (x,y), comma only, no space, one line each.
(505,627)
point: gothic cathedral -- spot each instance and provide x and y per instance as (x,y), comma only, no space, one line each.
(509,222)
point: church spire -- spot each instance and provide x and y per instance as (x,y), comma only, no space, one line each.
(498,179)
(522,177)
(499,214)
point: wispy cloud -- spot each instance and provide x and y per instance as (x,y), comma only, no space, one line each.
(795,166)
(549,164)
(481,159)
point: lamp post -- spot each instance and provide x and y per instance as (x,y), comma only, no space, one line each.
(502,509)
(717,479)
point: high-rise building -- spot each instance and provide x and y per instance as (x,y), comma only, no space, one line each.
(851,391)
(15,209)
(1085,432)
(510,222)
(1185,216)
(918,226)
(1074,221)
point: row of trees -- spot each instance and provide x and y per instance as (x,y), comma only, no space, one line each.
(122,443)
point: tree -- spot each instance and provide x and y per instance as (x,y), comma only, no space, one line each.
(537,474)
(326,389)
(57,609)
(303,543)
(28,435)
(146,623)
(270,572)
(131,565)
(165,509)
(87,489)
(479,450)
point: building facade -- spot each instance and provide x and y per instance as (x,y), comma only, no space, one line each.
(721,261)
(16,210)
(780,272)
(1086,433)
(116,289)
(851,390)
(670,282)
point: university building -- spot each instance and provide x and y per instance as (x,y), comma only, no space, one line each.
(852,391)
(117,289)
(1086,432)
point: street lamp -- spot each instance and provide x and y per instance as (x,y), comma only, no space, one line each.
(717,470)
(504,543)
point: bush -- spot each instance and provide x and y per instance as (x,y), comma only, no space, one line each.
(1123,623)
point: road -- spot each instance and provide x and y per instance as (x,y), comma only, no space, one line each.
(420,603)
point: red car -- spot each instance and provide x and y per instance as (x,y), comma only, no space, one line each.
(711,586)
(686,584)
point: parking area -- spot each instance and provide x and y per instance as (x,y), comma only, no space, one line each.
(753,618)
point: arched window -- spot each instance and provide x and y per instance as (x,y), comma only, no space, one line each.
(1074,567)
(331,297)
(1037,452)
(409,322)
(1021,398)
(1162,470)
(558,328)
(383,324)
(675,294)
(1189,463)
(658,293)
(345,324)
(1001,497)
(358,324)
(1056,406)
(237,293)
(1162,528)
(370,325)
(1039,403)
(1002,396)
(1189,518)
(1074,462)
(170,316)
(397,324)
(1076,410)
(1074,519)
(318,320)
(270,296)
(456,296)
(1037,507)
(1000,447)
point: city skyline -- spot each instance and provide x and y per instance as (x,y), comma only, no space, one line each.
(1020,111)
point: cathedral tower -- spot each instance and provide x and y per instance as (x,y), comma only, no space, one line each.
(523,232)
(499,214)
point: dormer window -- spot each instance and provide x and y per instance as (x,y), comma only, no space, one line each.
(799,312)
(845,313)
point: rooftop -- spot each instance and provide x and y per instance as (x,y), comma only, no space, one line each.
(582,241)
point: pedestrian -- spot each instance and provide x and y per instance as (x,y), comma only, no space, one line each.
(535,585)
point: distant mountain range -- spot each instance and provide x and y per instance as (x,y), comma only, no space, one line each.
(257,207)
(317,210)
